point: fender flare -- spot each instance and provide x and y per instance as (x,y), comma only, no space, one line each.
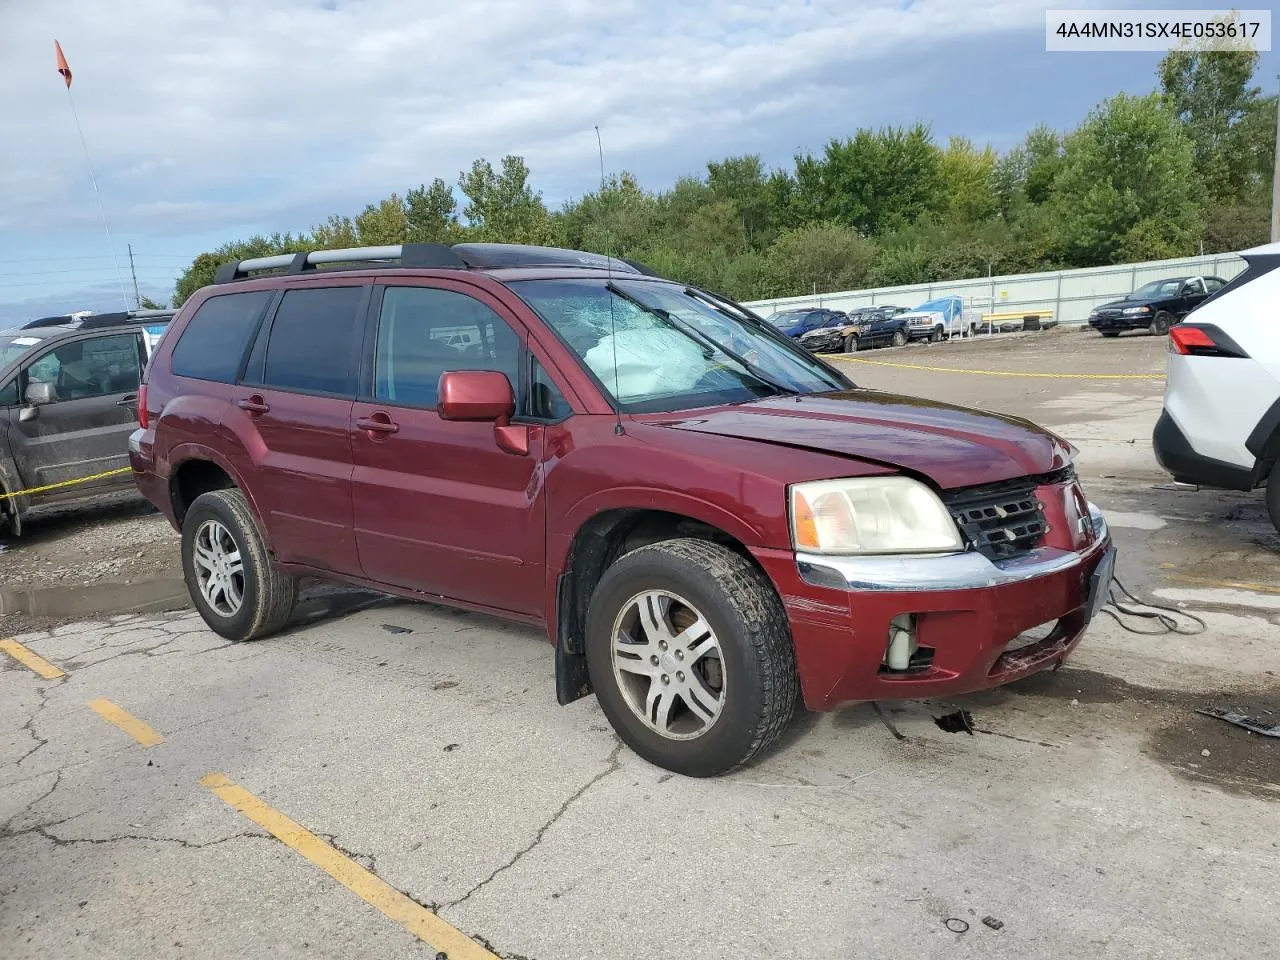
(186,452)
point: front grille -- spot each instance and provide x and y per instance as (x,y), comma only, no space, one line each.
(1003,520)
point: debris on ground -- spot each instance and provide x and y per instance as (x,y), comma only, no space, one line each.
(392,628)
(959,722)
(956,925)
(450,747)
(993,923)
(1244,721)
(897,734)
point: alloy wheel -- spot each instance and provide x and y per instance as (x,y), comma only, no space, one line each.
(219,568)
(668,665)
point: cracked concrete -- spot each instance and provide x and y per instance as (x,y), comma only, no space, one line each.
(610,768)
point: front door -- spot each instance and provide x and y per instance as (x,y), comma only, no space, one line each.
(84,430)
(1193,294)
(294,406)
(439,508)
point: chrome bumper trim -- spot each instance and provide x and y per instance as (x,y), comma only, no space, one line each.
(945,571)
(135,441)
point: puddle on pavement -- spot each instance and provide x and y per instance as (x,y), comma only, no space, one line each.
(143,596)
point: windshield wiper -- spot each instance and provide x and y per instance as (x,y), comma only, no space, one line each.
(707,342)
(739,312)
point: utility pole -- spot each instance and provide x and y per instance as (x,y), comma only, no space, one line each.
(1275,180)
(137,297)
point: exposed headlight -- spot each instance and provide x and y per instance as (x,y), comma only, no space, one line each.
(871,515)
(1130,311)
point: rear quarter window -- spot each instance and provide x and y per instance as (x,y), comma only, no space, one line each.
(214,340)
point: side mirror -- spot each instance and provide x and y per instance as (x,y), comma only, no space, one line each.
(475,395)
(483,396)
(39,393)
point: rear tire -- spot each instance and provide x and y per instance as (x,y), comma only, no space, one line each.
(230,576)
(1273,496)
(721,617)
(899,338)
(851,343)
(1161,323)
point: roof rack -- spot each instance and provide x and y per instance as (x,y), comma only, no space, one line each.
(439,256)
(95,321)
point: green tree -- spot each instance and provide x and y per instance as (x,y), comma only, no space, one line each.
(872,181)
(431,213)
(383,223)
(967,180)
(1225,116)
(146,303)
(823,256)
(1128,188)
(742,182)
(502,206)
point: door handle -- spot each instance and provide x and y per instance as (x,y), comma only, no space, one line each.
(127,401)
(254,404)
(378,423)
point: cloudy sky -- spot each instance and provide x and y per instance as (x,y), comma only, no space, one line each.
(209,120)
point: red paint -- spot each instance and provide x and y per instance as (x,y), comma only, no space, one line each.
(468,504)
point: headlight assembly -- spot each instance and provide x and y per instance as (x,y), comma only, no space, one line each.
(867,515)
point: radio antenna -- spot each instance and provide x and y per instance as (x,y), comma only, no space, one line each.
(613,316)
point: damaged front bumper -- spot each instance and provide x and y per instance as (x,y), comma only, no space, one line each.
(976,623)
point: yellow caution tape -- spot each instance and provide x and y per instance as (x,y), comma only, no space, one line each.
(1004,373)
(64,483)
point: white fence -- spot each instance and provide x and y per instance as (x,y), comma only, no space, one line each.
(1070,294)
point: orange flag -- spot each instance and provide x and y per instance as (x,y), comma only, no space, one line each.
(63,68)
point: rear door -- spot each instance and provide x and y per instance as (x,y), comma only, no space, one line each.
(294,405)
(84,431)
(439,508)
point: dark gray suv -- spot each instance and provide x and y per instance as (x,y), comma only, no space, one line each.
(68,396)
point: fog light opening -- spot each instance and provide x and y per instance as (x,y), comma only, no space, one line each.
(902,643)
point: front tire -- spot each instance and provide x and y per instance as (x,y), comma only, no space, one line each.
(851,343)
(230,576)
(1161,323)
(690,655)
(899,338)
(936,336)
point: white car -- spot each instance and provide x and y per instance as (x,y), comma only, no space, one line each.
(1220,426)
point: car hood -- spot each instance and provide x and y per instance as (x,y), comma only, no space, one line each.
(1128,302)
(920,315)
(952,446)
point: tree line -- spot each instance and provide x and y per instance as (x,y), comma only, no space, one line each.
(1183,169)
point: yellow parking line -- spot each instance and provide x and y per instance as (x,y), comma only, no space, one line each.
(1002,373)
(414,917)
(126,721)
(32,661)
(1230,584)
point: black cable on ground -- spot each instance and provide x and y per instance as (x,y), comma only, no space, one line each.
(1167,624)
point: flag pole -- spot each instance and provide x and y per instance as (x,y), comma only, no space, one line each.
(93,178)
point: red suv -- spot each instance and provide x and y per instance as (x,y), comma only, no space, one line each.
(704,518)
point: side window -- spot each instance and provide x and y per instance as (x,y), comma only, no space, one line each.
(1214,284)
(98,367)
(311,346)
(546,402)
(422,332)
(9,393)
(213,342)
